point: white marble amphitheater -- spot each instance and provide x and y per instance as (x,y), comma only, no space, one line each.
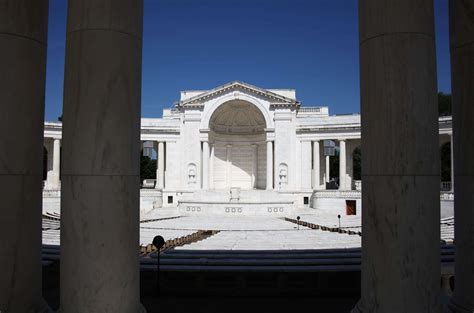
(243,150)
(242,193)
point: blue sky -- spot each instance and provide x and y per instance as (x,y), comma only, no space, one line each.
(308,45)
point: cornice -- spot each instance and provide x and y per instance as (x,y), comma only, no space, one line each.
(275,99)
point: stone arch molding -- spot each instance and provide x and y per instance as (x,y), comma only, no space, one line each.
(237,95)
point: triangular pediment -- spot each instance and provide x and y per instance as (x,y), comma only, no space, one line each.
(274,98)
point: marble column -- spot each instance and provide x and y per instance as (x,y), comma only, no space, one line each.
(400,172)
(316,181)
(254,166)
(56,164)
(228,166)
(23,32)
(101,149)
(328,169)
(269,165)
(211,167)
(342,164)
(461,19)
(205,164)
(160,166)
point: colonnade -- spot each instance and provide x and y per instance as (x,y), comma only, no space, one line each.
(100,196)
(316,159)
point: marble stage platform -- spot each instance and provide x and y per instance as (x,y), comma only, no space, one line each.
(236,202)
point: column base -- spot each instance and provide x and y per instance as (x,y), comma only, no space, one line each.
(453,307)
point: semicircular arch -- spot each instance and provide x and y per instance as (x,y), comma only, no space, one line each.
(205,122)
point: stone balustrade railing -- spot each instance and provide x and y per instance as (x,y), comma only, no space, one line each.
(310,109)
(337,194)
(447,196)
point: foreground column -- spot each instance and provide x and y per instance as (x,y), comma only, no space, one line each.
(23,31)
(205,165)
(342,164)
(160,166)
(101,149)
(56,163)
(400,173)
(316,166)
(461,16)
(269,165)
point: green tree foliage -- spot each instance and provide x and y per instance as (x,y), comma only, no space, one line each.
(446,162)
(147,168)
(444,104)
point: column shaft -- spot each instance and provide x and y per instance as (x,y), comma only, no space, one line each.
(400,171)
(316,166)
(328,169)
(462,81)
(160,168)
(228,166)
(23,32)
(342,164)
(101,149)
(56,163)
(254,166)
(211,168)
(205,165)
(269,165)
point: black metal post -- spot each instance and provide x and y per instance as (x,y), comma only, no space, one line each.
(158,242)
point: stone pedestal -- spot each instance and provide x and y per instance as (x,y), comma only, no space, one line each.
(23,32)
(399,117)
(462,73)
(101,149)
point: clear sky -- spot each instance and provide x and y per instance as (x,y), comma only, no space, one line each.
(307,45)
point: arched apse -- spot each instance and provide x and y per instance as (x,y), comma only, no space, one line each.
(214,106)
(237,136)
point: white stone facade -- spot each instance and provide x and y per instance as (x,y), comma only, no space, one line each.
(239,135)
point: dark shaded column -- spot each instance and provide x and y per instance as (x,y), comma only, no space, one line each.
(461,16)
(400,169)
(23,36)
(101,148)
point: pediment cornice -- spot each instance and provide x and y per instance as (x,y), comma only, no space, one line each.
(275,100)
